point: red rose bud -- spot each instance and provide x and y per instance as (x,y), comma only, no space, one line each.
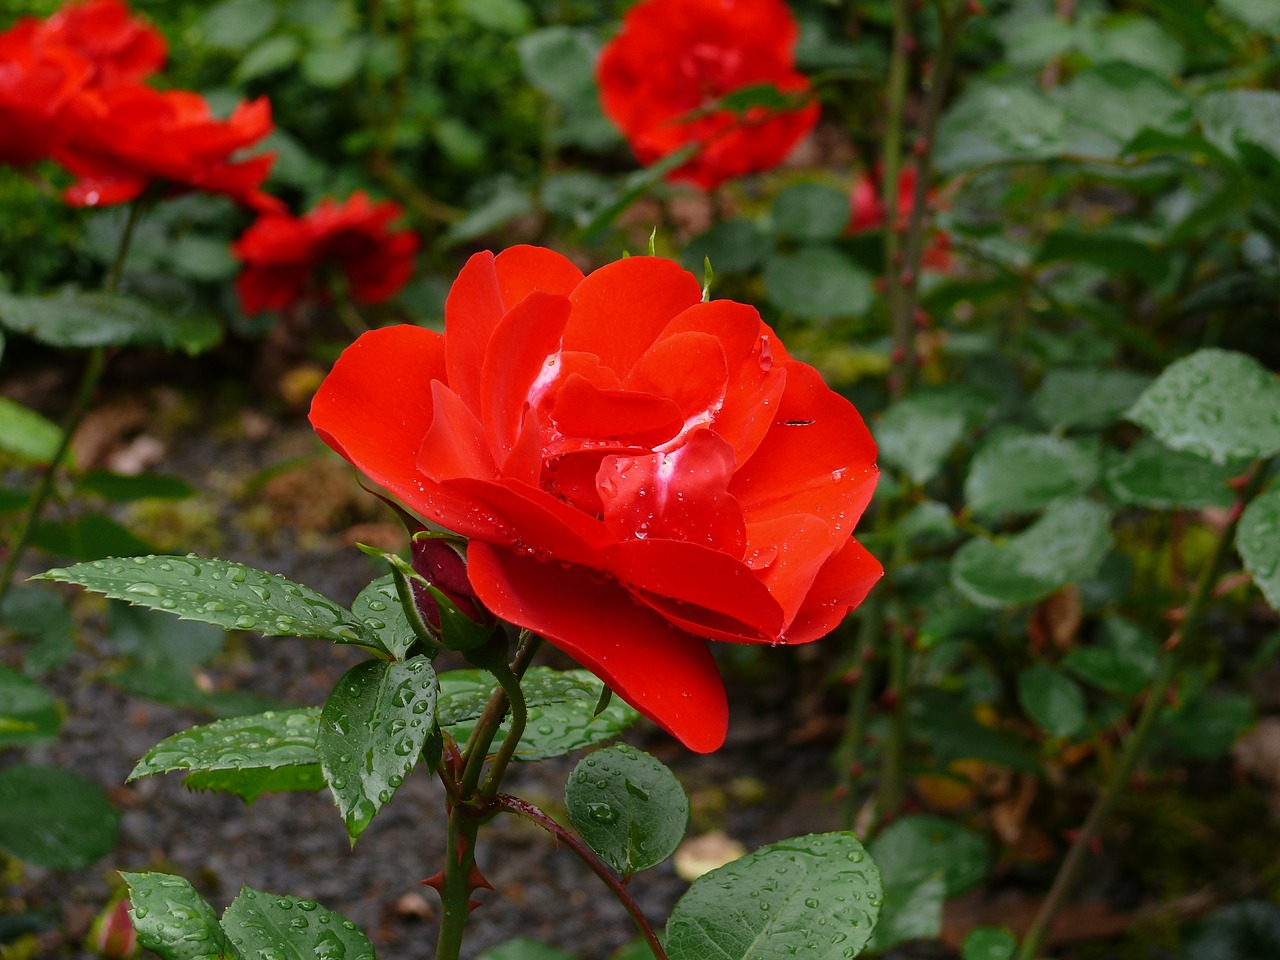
(639,473)
(112,935)
(662,76)
(436,561)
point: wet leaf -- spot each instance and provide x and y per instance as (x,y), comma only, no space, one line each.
(912,911)
(41,615)
(989,943)
(26,434)
(811,211)
(917,434)
(174,921)
(816,896)
(54,818)
(1021,473)
(378,606)
(1124,661)
(913,849)
(91,319)
(628,807)
(28,713)
(372,731)
(1151,475)
(1258,540)
(1216,404)
(818,282)
(270,925)
(1086,396)
(1053,700)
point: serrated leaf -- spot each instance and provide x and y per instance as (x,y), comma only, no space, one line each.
(54,818)
(372,731)
(122,488)
(270,925)
(918,433)
(378,606)
(173,921)
(1258,540)
(1053,700)
(561,704)
(1124,661)
(1215,403)
(220,592)
(1065,545)
(816,896)
(628,807)
(26,434)
(90,319)
(1024,472)
(28,712)
(1151,475)
(913,849)
(265,741)
(1086,396)
(818,282)
(811,211)
(250,784)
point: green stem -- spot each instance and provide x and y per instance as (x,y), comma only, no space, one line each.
(870,616)
(530,812)
(79,407)
(456,882)
(519,718)
(893,758)
(902,360)
(494,712)
(1135,746)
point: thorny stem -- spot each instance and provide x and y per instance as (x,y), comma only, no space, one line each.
(850,752)
(890,167)
(893,760)
(456,881)
(494,712)
(527,810)
(79,407)
(1134,748)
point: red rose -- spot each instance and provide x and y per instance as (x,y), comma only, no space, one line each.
(120,47)
(866,212)
(128,137)
(37,82)
(284,255)
(638,471)
(674,58)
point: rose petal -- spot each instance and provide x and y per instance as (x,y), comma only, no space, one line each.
(666,674)
(582,409)
(621,308)
(688,368)
(798,546)
(841,584)
(454,445)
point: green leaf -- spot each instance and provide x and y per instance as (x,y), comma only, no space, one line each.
(502,16)
(628,806)
(1124,661)
(372,731)
(811,211)
(54,818)
(333,66)
(990,123)
(28,713)
(918,433)
(1023,472)
(1065,545)
(203,258)
(1119,100)
(1258,14)
(913,849)
(1232,117)
(92,319)
(270,56)
(1151,475)
(947,723)
(87,536)
(816,896)
(174,921)
(1249,930)
(911,911)
(1215,403)
(1258,540)
(220,592)
(508,200)
(378,606)
(43,616)
(733,246)
(1053,700)
(523,948)
(243,751)
(1116,254)
(26,434)
(561,704)
(989,943)
(1086,396)
(121,488)
(236,24)
(559,61)
(270,925)
(1208,724)
(818,282)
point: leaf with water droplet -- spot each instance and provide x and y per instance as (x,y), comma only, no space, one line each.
(371,730)
(173,921)
(1258,540)
(710,919)
(1218,404)
(632,810)
(229,595)
(267,925)
(378,605)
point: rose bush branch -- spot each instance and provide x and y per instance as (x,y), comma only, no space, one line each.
(1135,746)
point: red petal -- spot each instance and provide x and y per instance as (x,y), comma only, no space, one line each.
(688,368)
(817,458)
(584,410)
(797,546)
(666,674)
(528,519)
(523,269)
(621,308)
(454,446)
(841,584)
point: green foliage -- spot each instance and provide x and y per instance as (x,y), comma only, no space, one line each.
(54,818)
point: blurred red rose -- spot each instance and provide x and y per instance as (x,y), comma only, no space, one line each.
(674,58)
(284,256)
(121,48)
(866,212)
(638,471)
(37,82)
(128,137)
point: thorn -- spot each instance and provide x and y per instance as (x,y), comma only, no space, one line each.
(856,770)
(436,880)
(920,147)
(472,905)
(1174,641)
(476,880)
(910,42)
(851,676)
(889,700)
(906,278)
(922,319)
(975,8)
(898,356)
